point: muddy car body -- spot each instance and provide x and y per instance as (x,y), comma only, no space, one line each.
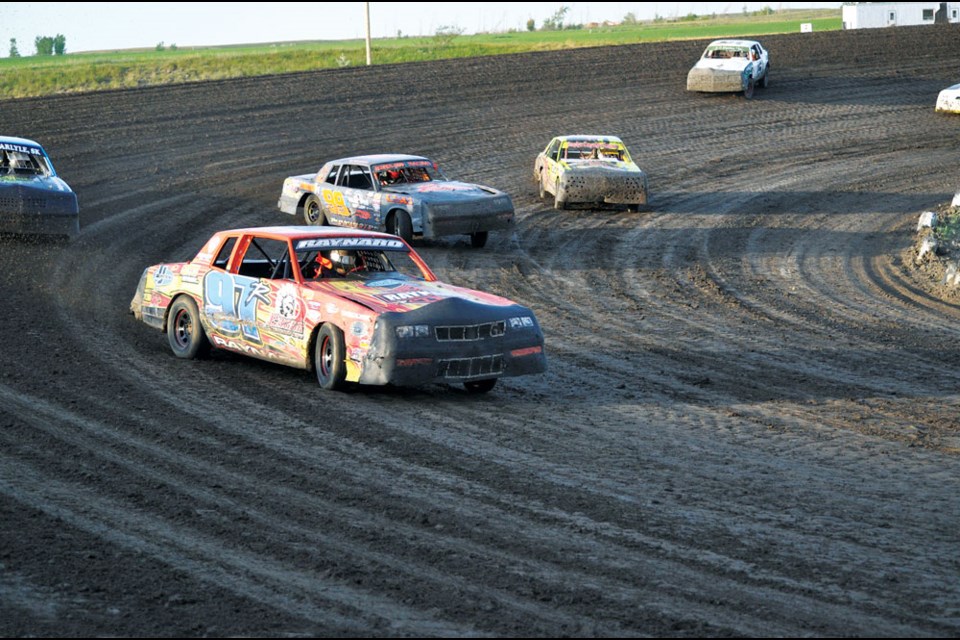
(730,66)
(589,169)
(400,194)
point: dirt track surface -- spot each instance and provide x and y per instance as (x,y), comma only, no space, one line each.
(749,426)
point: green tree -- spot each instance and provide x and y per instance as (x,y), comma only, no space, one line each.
(59,44)
(630,18)
(555,22)
(44,45)
(531,25)
(14,52)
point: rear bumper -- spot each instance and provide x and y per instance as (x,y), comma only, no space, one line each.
(600,188)
(948,102)
(711,80)
(288,204)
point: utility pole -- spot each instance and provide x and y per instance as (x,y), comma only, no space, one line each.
(367,11)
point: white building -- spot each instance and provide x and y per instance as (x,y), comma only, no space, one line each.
(868,15)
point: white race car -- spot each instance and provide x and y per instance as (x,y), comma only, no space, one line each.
(731,66)
(949,100)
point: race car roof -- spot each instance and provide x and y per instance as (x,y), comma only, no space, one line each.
(11,142)
(378,158)
(589,138)
(303,231)
(732,43)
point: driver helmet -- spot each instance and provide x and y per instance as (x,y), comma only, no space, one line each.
(342,260)
(393,175)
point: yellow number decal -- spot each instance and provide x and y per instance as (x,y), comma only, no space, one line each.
(335,203)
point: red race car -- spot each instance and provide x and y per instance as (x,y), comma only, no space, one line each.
(353,305)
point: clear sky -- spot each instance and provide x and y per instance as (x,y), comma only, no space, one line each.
(93,26)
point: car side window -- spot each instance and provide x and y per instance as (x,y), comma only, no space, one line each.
(552,149)
(354,177)
(266,258)
(223,256)
(332,176)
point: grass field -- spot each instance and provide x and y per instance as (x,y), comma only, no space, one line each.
(81,72)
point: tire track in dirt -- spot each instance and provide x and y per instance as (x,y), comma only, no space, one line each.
(738,433)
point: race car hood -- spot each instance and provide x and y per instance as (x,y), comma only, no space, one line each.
(383,295)
(43,194)
(722,64)
(443,191)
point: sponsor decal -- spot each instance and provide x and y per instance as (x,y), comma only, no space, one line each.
(349,243)
(395,199)
(162,276)
(12,146)
(428,187)
(386,283)
(358,329)
(287,315)
(233,345)
(401,165)
(412,362)
(287,304)
(406,296)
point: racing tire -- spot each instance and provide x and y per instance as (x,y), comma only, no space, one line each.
(748,91)
(313,211)
(184,332)
(399,225)
(478,239)
(480,386)
(558,202)
(330,358)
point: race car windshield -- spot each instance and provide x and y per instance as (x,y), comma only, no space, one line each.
(408,173)
(355,260)
(18,163)
(720,53)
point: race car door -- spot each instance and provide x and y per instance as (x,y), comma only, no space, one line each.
(759,61)
(352,200)
(258,309)
(552,157)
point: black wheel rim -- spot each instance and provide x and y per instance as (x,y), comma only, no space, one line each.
(325,362)
(182,329)
(312,212)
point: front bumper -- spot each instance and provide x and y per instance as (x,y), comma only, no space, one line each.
(456,218)
(467,341)
(29,212)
